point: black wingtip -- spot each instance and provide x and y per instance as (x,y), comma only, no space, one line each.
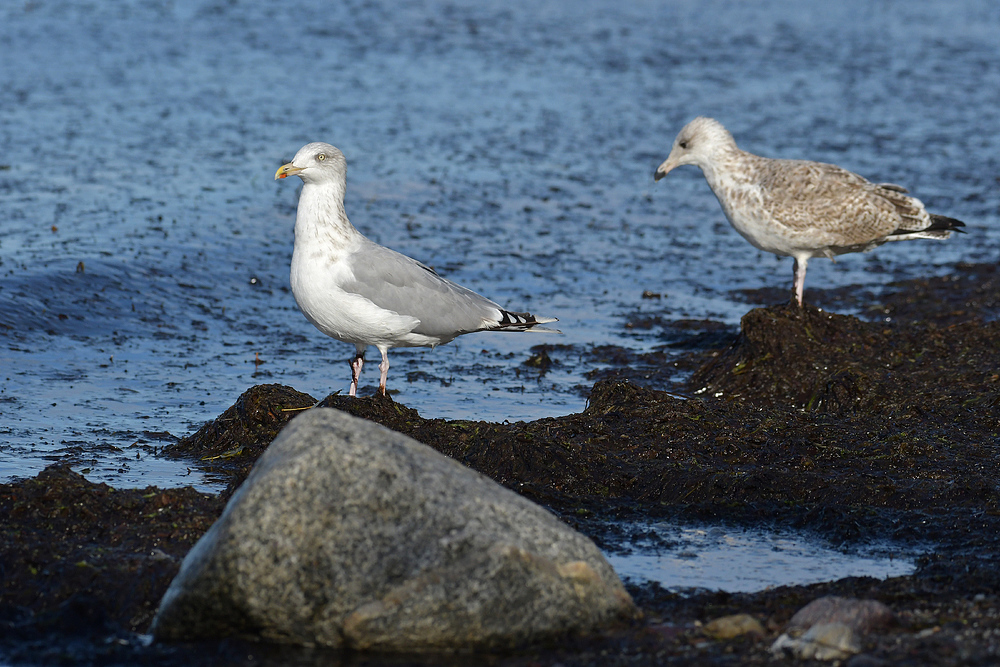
(521,321)
(944,222)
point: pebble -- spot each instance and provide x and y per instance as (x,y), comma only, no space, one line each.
(824,641)
(728,627)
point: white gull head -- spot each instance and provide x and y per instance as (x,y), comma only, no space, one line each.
(317,162)
(703,142)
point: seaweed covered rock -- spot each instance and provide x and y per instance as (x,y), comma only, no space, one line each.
(378,408)
(347,534)
(82,558)
(232,442)
(248,426)
(805,358)
(799,356)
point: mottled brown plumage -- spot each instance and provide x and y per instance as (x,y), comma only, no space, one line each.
(799,208)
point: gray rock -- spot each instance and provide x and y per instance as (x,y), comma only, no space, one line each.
(862,616)
(823,641)
(347,534)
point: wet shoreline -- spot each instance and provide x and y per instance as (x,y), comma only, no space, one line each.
(511,148)
(853,430)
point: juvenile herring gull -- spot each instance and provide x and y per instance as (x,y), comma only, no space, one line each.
(798,208)
(362,293)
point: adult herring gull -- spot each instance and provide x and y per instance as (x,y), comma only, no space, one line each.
(359,292)
(798,208)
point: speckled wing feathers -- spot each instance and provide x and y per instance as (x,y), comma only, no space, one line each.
(813,196)
(912,215)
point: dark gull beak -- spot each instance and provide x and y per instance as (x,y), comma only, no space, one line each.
(665,168)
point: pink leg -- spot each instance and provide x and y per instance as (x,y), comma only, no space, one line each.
(799,269)
(356,365)
(384,367)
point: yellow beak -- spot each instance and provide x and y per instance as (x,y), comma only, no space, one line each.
(286,170)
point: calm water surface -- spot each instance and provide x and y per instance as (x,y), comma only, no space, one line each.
(688,559)
(144,247)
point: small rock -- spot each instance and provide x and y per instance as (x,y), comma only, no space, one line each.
(823,641)
(866,660)
(831,641)
(862,616)
(347,534)
(728,627)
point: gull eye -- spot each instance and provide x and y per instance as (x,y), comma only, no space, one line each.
(683,144)
(321,157)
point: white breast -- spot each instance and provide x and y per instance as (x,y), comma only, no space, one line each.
(316,280)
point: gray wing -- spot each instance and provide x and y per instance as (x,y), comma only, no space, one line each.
(396,282)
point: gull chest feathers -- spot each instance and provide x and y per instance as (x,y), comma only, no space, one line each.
(744,203)
(362,293)
(327,246)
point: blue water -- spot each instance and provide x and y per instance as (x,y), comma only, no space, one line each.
(144,246)
(688,559)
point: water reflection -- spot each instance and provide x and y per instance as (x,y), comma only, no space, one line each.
(745,560)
